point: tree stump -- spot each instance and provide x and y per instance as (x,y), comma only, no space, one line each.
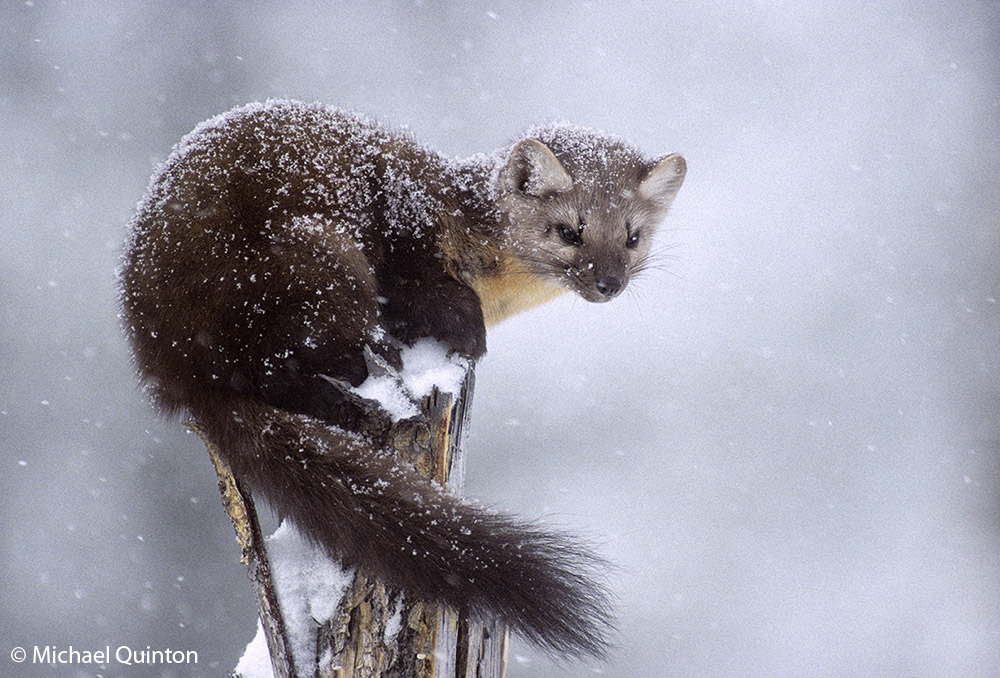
(376,631)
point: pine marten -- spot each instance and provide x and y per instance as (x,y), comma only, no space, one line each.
(278,240)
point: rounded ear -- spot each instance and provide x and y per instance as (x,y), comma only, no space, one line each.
(534,170)
(664,180)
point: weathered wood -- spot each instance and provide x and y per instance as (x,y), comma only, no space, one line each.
(241,510)
(482,650)
(376,632)
(353,644)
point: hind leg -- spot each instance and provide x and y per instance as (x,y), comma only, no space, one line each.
(324,311)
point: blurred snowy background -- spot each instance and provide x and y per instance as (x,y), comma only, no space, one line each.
(787,440)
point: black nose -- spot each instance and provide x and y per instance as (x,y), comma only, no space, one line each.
(609,286)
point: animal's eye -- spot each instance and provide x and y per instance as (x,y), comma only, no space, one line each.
(632,240)
(570,235)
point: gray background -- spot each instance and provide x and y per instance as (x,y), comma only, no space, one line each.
(786,437)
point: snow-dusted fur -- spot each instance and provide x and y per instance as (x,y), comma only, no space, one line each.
(280,239)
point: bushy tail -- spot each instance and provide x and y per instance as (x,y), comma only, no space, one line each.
(371,512)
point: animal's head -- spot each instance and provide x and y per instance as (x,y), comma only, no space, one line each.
(584,207)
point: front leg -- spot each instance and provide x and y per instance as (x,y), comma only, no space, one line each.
(440,307)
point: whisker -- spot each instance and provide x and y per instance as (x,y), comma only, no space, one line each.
(632,294)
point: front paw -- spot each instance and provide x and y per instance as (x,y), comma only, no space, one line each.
(463,332)
(457,322)
(446,310)
(468,342)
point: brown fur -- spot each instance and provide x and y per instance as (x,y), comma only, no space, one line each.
(279,240)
